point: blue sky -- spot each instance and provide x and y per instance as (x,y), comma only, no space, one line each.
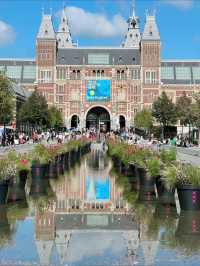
(178,21)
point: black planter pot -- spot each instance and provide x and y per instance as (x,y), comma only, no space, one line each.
(39,171)
(39,187)
(23,174)
(66,161)
(72,158)
(145,180)
(189,223)
(147,193)
(117,163)
(165,196)
(3,216)
(52,170)
(15,192)
(188,231)
(3,191)
(166,212)
(189,197)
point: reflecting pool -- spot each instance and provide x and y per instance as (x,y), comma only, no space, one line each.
(92,216)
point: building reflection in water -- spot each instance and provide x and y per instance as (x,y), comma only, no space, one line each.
(88,203)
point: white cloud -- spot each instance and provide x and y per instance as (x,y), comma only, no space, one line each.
(7,33)
(183,4)
(95,25)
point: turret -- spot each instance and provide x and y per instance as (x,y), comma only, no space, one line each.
(150,60)
(46,58)
(63,36)
(133,37)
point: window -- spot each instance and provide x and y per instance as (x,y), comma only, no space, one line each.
(136,74)
(121,74)
(59,99)
(61,73)
(183,73)
(76,74)
(196,73)
(167,72)
(29,72)
(14,72)
(45,76)
(60,89)
(150,77)
(98,73)
(98,59)
(2,69)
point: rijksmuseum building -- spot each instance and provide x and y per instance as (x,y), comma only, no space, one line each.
(102,86)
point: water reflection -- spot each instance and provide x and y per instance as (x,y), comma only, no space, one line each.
(91,216)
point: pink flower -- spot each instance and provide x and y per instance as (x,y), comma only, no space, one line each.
(24,161)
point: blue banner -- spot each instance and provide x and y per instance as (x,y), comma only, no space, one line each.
(97,189)
(98,90)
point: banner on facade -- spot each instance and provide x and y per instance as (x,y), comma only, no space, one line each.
(98,90)
(97,189)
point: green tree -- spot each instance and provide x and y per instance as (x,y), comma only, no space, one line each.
(144,119)
(164,111)
(6,100)
(34,111)
(195,111)
(184,111)
(55,119)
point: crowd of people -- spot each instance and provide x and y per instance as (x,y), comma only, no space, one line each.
(12,138)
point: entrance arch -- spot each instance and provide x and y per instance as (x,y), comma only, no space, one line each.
(98,118)
(122,122)
(74,121)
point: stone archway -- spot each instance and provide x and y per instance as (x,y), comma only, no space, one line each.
(98,118)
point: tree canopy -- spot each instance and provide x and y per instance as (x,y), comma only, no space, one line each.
(6,100)
(34,110)
(144,119)
(184,111)
(55,117)
(164,110)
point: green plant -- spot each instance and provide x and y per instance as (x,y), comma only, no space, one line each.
(8,169)
(153,167)
(168,156)
(40,154)
(170,176)
(181,174)
(23,162)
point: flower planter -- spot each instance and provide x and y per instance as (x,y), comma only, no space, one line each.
(23,174)
(66,161)
(147,193)
(145,180)
(187,234)
(39,171)
(165,196)
(39,187)
(3,191)
(72,157)
(189,197)
(15,192)
(117,163)
(52,170)
(3,216)
(188,224)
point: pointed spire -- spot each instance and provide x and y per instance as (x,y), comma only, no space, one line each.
(151,31)
(133,37)
(46,30)
(133,6)
(64,35)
